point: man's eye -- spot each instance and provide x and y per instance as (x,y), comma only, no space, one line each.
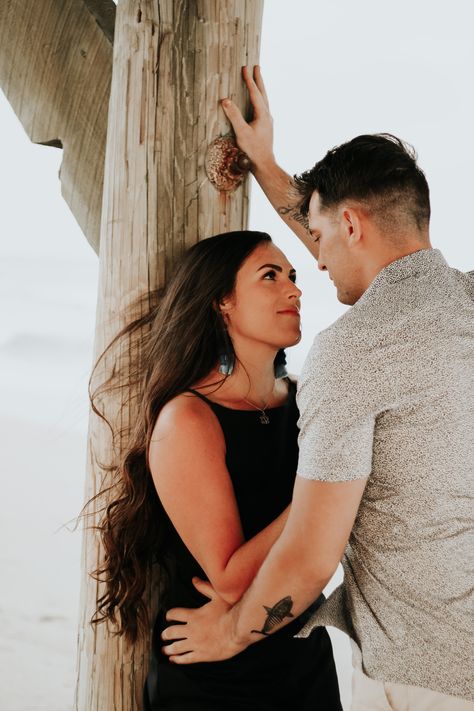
(316,239)
(271,274)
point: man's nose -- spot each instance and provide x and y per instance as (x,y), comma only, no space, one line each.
(321,265)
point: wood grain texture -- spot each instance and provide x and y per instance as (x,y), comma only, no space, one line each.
(55,69)
(173,61)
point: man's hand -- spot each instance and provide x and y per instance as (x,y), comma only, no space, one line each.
(207,632)
(255,138)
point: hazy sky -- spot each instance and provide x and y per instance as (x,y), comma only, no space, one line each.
(333,70)
(338,69)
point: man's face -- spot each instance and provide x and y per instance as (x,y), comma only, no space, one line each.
(334,251)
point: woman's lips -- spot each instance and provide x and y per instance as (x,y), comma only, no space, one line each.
(290,312)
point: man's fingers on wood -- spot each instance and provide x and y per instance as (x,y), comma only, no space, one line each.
(234,115)
(259,82)
(258,102)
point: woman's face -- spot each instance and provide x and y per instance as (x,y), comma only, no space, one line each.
(265,305)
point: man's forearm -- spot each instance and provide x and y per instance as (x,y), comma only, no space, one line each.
(279,188)
(297,569)
(284,587)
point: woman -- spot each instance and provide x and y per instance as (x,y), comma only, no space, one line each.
(206,483)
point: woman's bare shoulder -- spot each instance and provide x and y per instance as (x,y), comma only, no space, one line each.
(187,415)
(186,436)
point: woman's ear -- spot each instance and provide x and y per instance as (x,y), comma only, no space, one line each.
(224,305)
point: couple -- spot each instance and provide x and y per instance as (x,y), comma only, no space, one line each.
(385,413)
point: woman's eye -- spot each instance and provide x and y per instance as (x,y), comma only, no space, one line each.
(271,274)
(293,278)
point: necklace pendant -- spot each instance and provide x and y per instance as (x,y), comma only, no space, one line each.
(264,419)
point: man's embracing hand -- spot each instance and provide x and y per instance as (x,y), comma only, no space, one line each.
(255,138)
(203,634)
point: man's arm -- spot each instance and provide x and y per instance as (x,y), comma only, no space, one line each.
(255,138)
(298,567)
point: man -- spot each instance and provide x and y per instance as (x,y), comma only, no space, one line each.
(386,401)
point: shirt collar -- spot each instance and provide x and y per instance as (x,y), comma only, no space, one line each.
(415,263)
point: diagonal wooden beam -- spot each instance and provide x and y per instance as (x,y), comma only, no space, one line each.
(55,70)
(104,13)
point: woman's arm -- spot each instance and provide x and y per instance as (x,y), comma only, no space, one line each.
(187,462)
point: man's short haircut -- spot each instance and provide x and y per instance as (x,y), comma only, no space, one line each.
(380,172)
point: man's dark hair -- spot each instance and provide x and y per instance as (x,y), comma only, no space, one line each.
(379,171)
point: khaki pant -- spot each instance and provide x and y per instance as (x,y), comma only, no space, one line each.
(371,695)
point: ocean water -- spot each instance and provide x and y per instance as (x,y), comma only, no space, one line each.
(46,333)
(47,330)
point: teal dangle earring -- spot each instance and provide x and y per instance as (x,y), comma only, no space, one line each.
(279,365)
(226,363)
(225,349)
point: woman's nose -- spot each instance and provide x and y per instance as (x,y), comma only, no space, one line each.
(295,291)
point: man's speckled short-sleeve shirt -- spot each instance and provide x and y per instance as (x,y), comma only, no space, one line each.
(387,393)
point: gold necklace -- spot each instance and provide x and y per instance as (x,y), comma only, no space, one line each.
(264,419)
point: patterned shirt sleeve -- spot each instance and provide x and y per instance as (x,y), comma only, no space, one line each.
(338,407)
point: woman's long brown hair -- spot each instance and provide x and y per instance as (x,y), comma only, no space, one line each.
(177,340)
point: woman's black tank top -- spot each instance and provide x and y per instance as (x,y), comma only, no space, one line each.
(261,460)
(280,672)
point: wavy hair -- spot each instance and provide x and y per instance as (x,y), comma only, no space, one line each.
(178,338)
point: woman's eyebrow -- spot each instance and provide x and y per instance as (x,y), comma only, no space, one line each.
(276,267)
(271,266)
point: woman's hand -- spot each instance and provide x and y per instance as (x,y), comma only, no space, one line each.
(255,138)
(206,635)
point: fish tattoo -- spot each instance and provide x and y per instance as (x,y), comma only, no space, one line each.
(275,615)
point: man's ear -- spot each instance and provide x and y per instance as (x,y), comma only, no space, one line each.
(352,223)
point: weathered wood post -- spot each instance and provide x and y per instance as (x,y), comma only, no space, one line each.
(172,62)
